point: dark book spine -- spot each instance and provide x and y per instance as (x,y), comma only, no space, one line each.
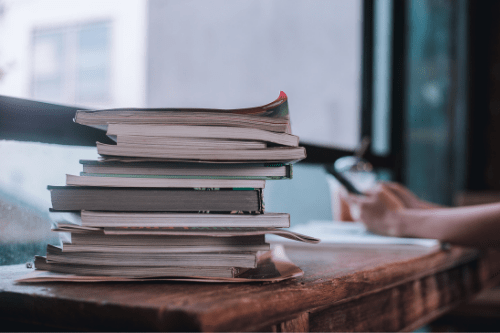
(74,198)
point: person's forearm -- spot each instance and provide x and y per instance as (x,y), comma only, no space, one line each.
(429,205)
(473,225)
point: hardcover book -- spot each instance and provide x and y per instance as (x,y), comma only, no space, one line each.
(73,198)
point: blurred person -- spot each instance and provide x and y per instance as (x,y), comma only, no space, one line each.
(391,209)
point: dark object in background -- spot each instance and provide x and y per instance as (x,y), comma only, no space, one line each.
(26,120)
(342,180)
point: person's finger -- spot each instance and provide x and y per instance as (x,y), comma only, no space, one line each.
(399,189)
(408,199)
(359,205)
(355,198)
(341,210)
(392,201)
(355,212)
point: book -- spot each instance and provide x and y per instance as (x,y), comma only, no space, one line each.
(209,231)
(179,196)
(56,254)
(198,170)
(69,247)
(272,266)
(99,242)
(271,117)
(85,273)
(161,182)
(188,143)
(99,238)
(155,134)
(167,220)
(72,198)
(274,154)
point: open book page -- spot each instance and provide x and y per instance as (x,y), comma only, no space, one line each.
(272,266)
(354,233)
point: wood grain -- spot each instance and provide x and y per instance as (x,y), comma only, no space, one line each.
(342,289)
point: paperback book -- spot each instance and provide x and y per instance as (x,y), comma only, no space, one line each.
(265,171)
(271,117)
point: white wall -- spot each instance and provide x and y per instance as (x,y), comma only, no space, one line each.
(128,49)
(241,53)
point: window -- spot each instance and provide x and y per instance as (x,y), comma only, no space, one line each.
(242,53)
(134,53)
(72,65)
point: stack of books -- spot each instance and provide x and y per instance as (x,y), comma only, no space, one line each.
(178,195)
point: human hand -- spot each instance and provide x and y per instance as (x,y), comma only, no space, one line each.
(377,209)
(409,199)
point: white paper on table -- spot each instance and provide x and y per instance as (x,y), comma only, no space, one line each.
(352,233)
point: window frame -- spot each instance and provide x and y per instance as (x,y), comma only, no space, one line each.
(28,120)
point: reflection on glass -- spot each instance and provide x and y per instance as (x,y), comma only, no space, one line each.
(24,199)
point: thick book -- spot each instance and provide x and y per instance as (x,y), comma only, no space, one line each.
(188,142)
(155,134)
(99,242)
(167,220)
(274,154)
(184,170)
(162,182)
(86,272)
(234,259)
(99,238)
(216,232)
(272,266)
(271,117)
(73,198)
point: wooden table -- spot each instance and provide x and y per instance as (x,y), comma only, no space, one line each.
(343,289)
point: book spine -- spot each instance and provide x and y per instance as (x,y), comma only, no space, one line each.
(289,171)
(261,201)
(75,198)
(187,164)
(187,177)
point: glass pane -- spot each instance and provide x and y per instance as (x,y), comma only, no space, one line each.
(24,199)
(93,64)
(382,78)
(242,53)
(48,66)
(429,115)
(223,54)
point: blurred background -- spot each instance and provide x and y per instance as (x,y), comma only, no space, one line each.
(136,53)
(419,77)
